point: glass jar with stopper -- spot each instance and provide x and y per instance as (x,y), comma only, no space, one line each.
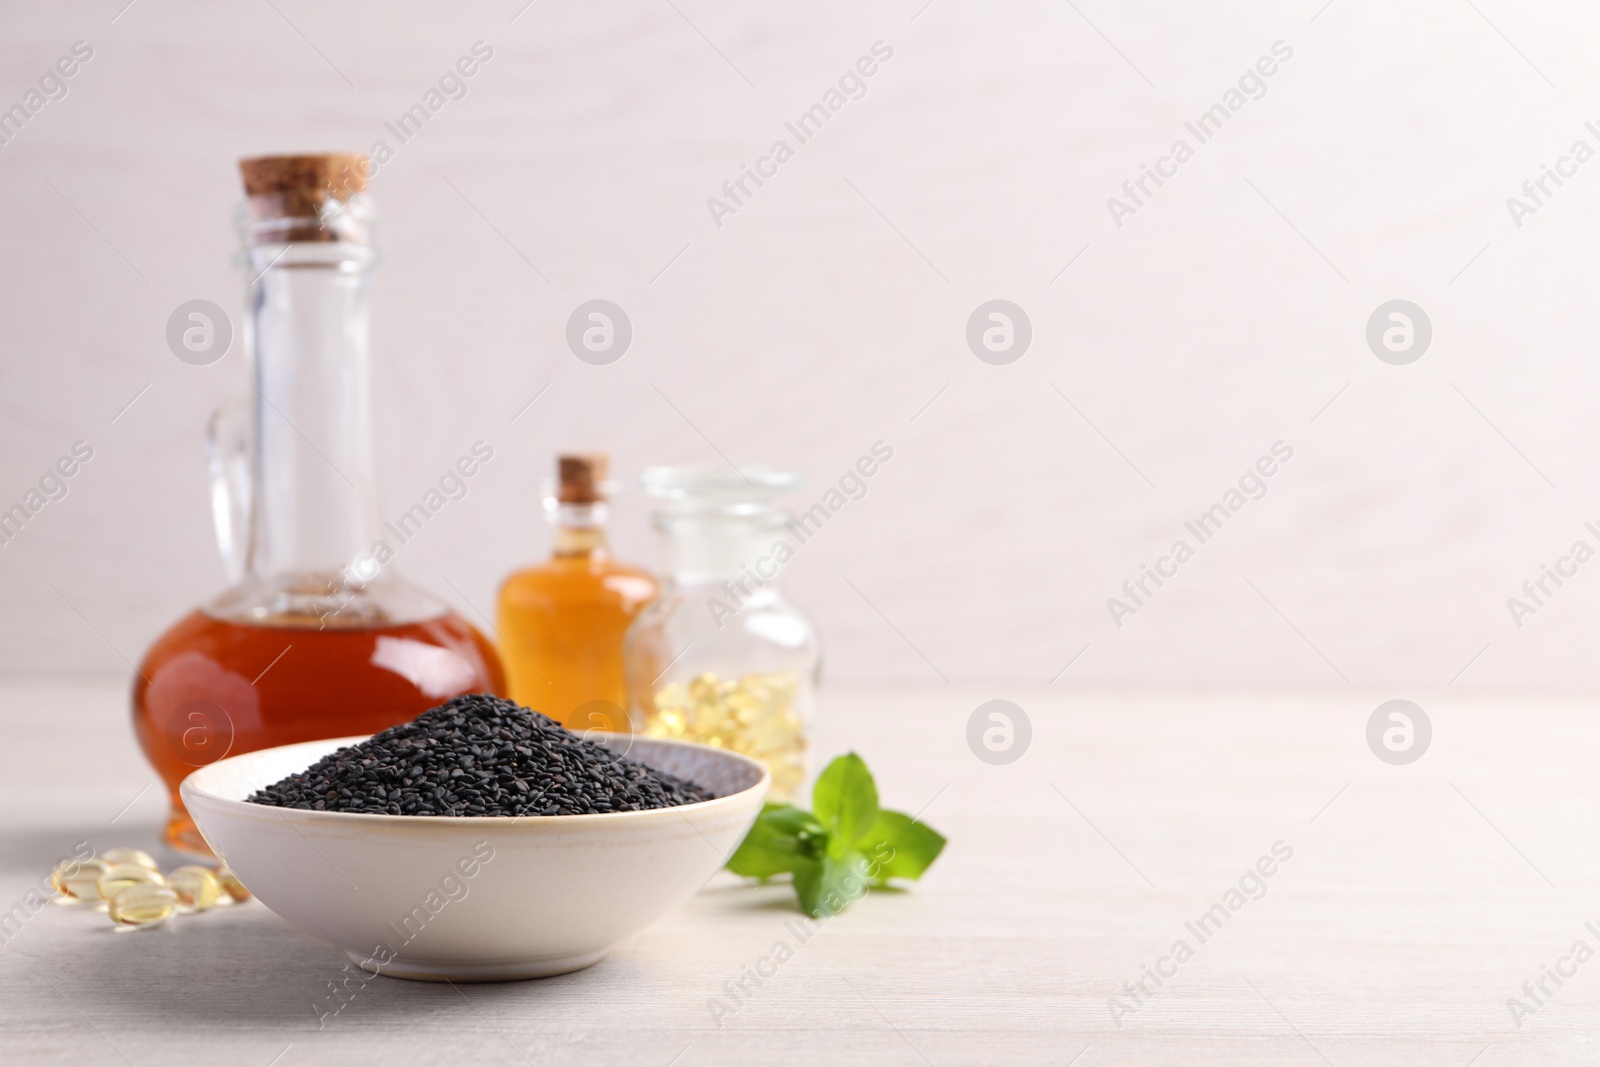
(723,657)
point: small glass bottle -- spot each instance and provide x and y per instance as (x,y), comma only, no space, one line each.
(723,657)
(562,621)
(317,636)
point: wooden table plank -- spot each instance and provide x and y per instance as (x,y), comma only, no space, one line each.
(1417,900)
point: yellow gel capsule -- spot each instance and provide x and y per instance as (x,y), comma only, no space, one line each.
(120,876)
(142,903)
(78,879)
(137,857)
(197,887)
(231,885)
(754,714)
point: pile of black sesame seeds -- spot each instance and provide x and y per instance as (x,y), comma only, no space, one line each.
(479,755)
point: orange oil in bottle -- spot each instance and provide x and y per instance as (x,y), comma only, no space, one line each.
(210,688)
(562,622)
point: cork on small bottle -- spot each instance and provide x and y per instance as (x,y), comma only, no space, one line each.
(301,187)
(582,477)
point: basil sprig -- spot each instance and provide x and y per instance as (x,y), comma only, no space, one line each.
(840,848)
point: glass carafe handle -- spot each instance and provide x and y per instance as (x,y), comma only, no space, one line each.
(229,438)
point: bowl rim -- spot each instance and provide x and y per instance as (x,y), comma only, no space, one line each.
(191,791)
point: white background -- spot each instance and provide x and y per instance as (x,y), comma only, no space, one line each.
(1222,317)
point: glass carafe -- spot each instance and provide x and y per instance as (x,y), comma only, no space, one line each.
(317,636)
(723,657)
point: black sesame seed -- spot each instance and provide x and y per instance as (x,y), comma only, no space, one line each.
(479,755)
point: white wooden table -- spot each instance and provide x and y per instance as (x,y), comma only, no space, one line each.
(1417,901)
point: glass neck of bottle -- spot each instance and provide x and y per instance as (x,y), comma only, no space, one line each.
(314,507)
(714,547)
(580,529)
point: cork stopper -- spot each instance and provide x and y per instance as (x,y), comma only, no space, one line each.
(314,187)
(308,180)
(582,477)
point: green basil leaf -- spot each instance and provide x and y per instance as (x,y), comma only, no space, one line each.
(808,885)
(827,886)
(897,847)
(845,801)
(783,837)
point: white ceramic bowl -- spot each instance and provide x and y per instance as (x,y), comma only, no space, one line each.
(474,899)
